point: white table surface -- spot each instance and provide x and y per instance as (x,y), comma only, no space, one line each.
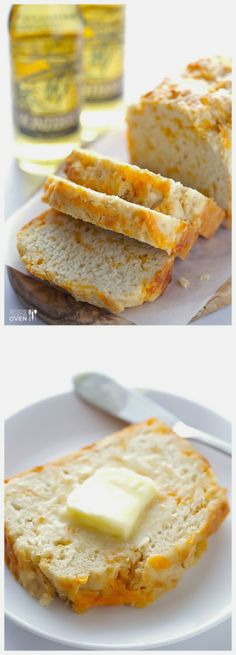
(24,186)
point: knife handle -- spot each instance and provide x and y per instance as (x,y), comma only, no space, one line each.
(188,432)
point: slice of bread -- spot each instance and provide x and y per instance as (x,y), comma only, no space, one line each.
(144,188)
(168,233)
(182,129)
(50,554)
(100,267)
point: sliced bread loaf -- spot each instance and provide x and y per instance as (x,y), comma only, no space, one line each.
(100,267)
(50,554)
(182,129)
(144,188)
(174,235)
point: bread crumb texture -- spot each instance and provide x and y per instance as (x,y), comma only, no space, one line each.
(174,235)
(143,187)
(182,129)
(51,555)
(92,264)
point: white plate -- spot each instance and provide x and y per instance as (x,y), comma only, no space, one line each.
(62,424)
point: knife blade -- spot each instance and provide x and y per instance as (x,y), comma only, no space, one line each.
(132,406)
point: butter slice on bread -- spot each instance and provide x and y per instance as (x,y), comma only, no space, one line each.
(51,555)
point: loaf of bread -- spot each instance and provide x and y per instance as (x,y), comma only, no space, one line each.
(182,129)
(175,236)
(144,188)
(94,265)
(50,554)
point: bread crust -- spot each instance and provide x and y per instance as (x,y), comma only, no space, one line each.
(26,573)
(144,187)
(182,129)
(159,230)
(152,285)
(134,574)
(211,219)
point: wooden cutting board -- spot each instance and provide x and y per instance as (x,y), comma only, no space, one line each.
(58,308)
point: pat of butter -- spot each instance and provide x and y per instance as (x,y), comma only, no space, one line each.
(111,500)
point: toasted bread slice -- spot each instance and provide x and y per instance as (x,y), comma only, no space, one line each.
(143,187)
(100,267)
(168,233)
(182,129)
(50,554)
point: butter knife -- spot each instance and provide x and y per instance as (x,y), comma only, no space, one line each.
(132,406)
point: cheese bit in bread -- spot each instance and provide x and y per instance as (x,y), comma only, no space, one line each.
(174,235)
(93,265)
(217,71)
(112,500)
(49,553)
(182,129)
(143,187)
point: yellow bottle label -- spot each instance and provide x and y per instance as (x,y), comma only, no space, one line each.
(46,73)
(103,51)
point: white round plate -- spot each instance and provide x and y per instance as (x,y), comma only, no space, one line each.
(201,600)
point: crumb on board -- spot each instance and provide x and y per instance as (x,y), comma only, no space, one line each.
(205,276)
(183,282)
